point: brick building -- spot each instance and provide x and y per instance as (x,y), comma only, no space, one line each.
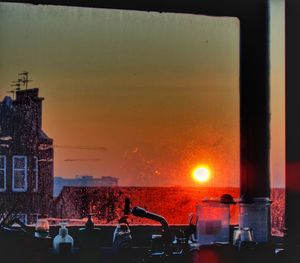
(26,155)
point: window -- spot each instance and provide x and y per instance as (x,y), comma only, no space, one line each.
(178,147)
(21,217)
(35,176)
(19,177)
(2,173)
(169,102)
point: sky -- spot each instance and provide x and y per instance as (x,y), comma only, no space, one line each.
(159,91)
(277,91)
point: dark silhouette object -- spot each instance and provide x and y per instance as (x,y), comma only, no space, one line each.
(141,212)
(89,241)
(227,199)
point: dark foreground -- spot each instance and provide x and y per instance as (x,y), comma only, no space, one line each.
(20,246)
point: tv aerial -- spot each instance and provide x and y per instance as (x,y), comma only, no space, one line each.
(24,78)
(16,84)
(21,82)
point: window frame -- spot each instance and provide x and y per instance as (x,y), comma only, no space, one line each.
(4,173)
(35,171)
(24,189)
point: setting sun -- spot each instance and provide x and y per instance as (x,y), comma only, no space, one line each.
(201,174)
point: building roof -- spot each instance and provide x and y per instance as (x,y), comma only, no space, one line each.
(7,101)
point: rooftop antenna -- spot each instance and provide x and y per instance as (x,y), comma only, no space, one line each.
(13,93)
(16,84)
(25,79)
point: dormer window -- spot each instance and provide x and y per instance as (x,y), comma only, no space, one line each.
(2,173)
(19,178)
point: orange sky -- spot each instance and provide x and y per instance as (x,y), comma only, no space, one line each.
(160,91)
